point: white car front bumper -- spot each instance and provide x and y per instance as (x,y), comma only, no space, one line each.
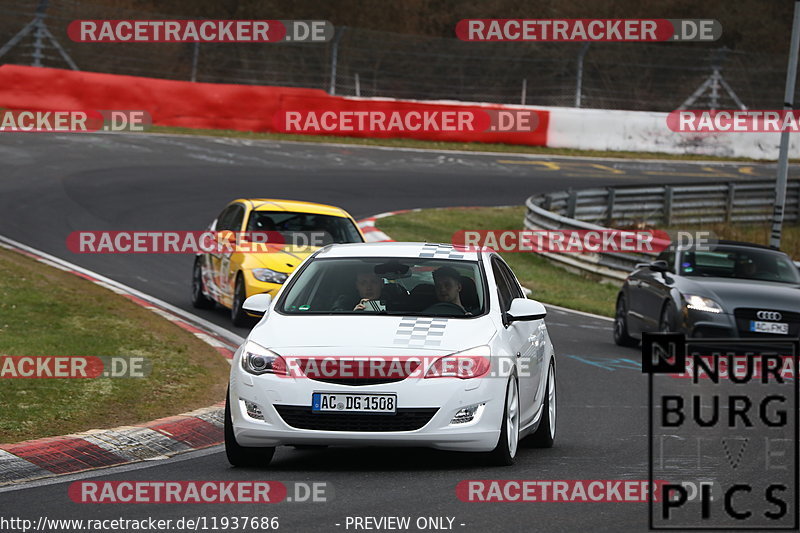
(285,400)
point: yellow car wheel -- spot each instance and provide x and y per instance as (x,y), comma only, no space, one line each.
(199,300)
(239,317)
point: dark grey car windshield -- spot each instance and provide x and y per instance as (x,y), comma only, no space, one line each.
(739,263)
(397,286)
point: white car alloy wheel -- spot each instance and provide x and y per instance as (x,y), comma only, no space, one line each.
(506,449)
(551,401)
(512,417)
(545,434)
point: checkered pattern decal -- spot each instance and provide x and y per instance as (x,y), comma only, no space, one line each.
(440,251)
(420,332)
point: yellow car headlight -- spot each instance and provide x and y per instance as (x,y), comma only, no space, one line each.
(269,276)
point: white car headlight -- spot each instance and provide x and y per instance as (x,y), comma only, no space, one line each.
(699,303)
(269,276)
(472,363)
(258,360)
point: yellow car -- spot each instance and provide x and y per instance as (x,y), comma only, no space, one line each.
(232,273)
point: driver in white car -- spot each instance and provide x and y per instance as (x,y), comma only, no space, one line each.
(447,283)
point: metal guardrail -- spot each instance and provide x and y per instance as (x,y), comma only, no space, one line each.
(663,205)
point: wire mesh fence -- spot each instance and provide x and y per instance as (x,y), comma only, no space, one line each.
(361,62)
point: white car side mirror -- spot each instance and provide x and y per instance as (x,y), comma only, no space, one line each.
(524,309)
(257,304)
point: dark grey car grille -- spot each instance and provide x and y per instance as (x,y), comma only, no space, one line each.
(744,315)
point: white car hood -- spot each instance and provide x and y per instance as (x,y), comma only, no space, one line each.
(366,335)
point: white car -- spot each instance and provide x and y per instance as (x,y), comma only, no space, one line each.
(394,344)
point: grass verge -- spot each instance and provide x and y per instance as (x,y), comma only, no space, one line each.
(550,284)
(44,311)
(432,145)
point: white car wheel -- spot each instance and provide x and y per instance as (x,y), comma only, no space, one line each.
(545,434)
(512,418)
(506,449)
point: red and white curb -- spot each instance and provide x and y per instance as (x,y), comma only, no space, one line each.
(372,233)
(40,458)
(66,454)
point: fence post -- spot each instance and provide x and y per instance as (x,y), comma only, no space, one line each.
(579,80)
(195,55)
(358,86)
(612,196)
(797,210)
(524,90)
(729,203)
(38,35)
(337,35)
(571,202)
(667,205)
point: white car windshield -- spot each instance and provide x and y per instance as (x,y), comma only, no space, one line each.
(394,286)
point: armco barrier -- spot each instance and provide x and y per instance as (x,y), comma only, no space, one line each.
(220,106)
(609,266)
(735,201)
(625,206)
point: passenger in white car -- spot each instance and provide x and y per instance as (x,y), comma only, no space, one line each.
(368,284)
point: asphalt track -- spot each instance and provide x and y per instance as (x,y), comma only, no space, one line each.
(55,184)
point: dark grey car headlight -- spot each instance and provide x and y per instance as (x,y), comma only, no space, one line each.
(701,303)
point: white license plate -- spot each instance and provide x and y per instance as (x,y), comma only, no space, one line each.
(781,328)
(322,402)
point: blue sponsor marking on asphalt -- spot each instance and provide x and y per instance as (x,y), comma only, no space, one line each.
(623,363)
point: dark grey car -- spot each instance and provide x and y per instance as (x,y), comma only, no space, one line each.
(734,290)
